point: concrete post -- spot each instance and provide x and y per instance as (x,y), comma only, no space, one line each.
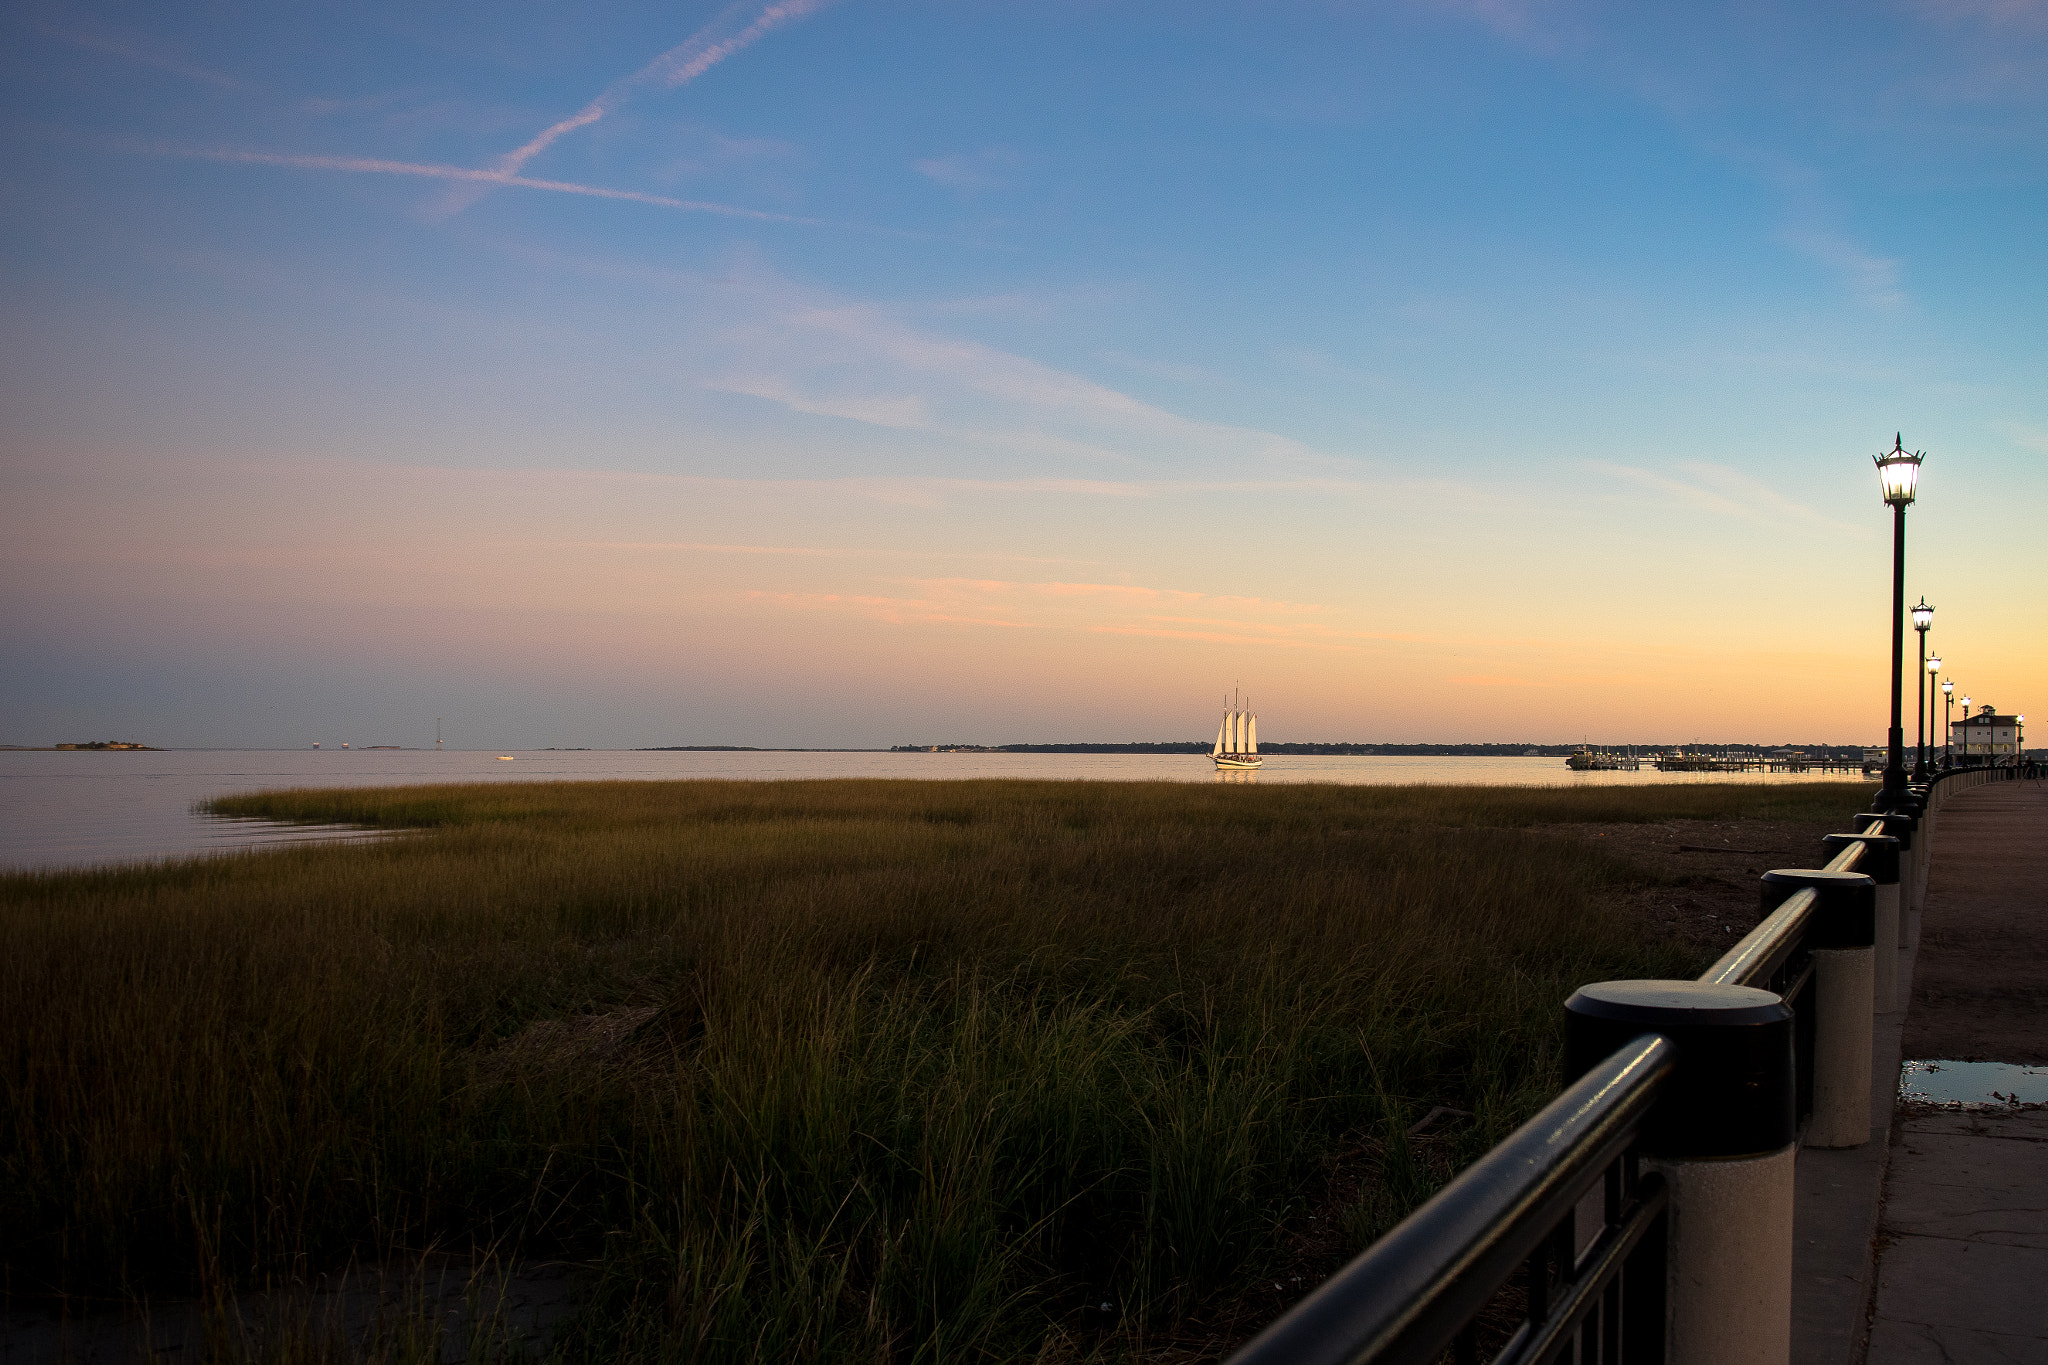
(1905,829)
(1880,863)
(1721,1135)
(1925,844)
(1840,936)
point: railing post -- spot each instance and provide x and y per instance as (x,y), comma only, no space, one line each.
(1923,811)
(1722,1135)
(1906,829)
(1840,935)
(1881,862)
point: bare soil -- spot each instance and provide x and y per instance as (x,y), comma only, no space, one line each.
(1704,891)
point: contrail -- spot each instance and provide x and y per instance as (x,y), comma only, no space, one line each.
(679,65)
(470,174)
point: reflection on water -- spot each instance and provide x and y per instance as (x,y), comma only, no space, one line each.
(1243,777)
(79,808)
(1973,1085)
(227,832)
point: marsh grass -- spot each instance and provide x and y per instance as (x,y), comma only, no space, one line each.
(802,1070)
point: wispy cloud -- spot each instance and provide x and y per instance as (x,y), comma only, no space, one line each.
(144,55)
(365,165)
(1160,369)
(1811,224)
(731,32)
(861,363)
(1100,609)
(1014,605)
(888,610)
(814,551)
(1103,592)
(2032,440)
(924,491)
(1872,278)
(1726,492)
(1540,26)
(2001,12)
(988,169)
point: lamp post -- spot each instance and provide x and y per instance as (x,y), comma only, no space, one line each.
(1898,474)
(1923,617)
(1933,668)
(1966,729)
(1948,726)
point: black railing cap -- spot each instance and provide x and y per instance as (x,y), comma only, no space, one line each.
(1651,1003)
(1734,1094)
(1880,854)
(1844,913)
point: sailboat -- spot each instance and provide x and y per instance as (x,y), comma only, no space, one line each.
(1237,738)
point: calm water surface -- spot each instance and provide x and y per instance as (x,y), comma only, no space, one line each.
(79,809)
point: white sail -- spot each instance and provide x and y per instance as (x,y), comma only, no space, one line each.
(1237,737)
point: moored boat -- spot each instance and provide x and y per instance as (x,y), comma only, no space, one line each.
(1591,760)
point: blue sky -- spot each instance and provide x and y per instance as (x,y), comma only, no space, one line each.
(621,374)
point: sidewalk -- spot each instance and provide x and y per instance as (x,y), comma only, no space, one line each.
(1962,1246)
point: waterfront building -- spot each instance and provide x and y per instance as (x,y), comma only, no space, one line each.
(1986,737)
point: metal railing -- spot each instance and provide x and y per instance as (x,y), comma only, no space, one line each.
(1417,1291)
(1693,1085)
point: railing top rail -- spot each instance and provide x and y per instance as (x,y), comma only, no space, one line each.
(1408,1295)
(1765,948)
(1848,858)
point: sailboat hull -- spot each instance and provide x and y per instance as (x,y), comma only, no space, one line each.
(1237,760)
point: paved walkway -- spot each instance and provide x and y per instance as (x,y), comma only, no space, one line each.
(1962,1269)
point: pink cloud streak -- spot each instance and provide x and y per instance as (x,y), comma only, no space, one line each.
(364,165)
(679,65)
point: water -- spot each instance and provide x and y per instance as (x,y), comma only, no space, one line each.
(1973,1085)
(84,808)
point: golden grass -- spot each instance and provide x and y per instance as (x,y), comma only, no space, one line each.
(802,1070)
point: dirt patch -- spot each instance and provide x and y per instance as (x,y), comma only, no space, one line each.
(430,1306)
(629,1039)
(1703,890)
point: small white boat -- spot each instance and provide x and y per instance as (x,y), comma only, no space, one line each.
(1237,738)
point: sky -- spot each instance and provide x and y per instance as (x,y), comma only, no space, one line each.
(847,373)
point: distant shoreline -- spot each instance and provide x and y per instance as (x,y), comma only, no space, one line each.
(1819,752)
(1839,752)
(98,746)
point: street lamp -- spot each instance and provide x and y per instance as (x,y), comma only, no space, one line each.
(1933,668)
(1966,729)
(1923,617)
(1948,726)
(1898,474)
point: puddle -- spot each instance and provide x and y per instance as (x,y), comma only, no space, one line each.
(1973,1085)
